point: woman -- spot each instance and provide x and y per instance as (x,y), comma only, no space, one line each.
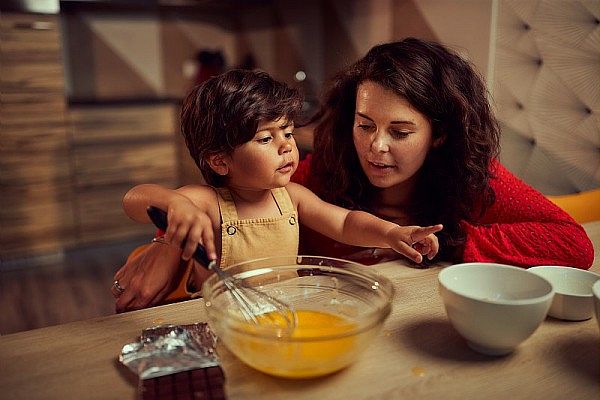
(416,139)
(407,133)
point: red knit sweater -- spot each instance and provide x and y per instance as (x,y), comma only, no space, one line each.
(521,228)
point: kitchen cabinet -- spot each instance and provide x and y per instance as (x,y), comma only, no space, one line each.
(65,168)
(115,147)
(36,213)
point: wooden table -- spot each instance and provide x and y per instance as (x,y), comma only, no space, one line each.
(417,356)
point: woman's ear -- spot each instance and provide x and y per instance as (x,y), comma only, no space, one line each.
(437,142)
(218,163)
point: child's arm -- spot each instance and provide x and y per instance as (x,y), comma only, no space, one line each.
(363,229)
(189,214)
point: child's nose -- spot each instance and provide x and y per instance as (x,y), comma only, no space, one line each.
(285,148)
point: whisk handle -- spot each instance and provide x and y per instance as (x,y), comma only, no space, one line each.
(159,218)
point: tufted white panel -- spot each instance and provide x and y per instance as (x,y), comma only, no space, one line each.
(547,92)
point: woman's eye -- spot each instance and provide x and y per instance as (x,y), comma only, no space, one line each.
(364,127)
(396,134)
(264,140)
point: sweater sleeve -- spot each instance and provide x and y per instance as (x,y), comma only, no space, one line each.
(524,228)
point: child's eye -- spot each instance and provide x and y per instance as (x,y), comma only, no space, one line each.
(289,135)
(264,140)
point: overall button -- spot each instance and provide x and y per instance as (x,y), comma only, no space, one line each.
(231,230)
(292,220)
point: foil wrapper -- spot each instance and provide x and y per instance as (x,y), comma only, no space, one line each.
(168,349)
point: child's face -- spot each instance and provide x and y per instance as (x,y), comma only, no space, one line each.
(267,161)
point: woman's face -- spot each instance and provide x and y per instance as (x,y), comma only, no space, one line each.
(391,138)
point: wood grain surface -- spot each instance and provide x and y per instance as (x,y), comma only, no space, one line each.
(113,149)
(417,355)
(37,214)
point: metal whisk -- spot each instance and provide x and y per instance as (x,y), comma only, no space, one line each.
(254,306)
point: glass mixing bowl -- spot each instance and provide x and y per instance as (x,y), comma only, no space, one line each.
(340,306)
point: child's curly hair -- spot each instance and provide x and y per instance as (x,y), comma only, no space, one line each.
(224,112)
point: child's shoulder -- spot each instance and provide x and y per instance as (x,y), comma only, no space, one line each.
(293,188)
(298,192)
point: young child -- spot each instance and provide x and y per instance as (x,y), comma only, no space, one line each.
(238,128)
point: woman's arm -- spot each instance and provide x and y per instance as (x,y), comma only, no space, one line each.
(149,277)
(524,228)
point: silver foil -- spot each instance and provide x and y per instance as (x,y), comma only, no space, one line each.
(168,349)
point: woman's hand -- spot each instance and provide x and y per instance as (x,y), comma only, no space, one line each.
(189,226)
(414,242)
(148,277)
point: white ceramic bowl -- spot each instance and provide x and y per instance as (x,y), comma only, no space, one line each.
(494,307)
(596,291)
(573,291)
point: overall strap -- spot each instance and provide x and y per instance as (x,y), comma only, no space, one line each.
(283,200)
(226,205)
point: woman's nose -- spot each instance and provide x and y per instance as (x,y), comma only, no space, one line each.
(379,143)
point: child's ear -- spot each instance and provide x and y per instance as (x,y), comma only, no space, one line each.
(218,163)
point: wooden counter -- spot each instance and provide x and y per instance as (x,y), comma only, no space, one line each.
(418,355)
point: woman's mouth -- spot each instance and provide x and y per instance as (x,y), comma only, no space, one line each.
(379,166)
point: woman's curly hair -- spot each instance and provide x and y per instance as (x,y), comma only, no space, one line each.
(454,181)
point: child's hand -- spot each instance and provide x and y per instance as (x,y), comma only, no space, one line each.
(415,242)
(190,224)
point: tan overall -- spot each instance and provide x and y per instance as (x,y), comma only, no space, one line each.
(246,239)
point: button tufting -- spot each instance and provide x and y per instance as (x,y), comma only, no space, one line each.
(534,99)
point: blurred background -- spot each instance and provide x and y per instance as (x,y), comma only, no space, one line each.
(90,93)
